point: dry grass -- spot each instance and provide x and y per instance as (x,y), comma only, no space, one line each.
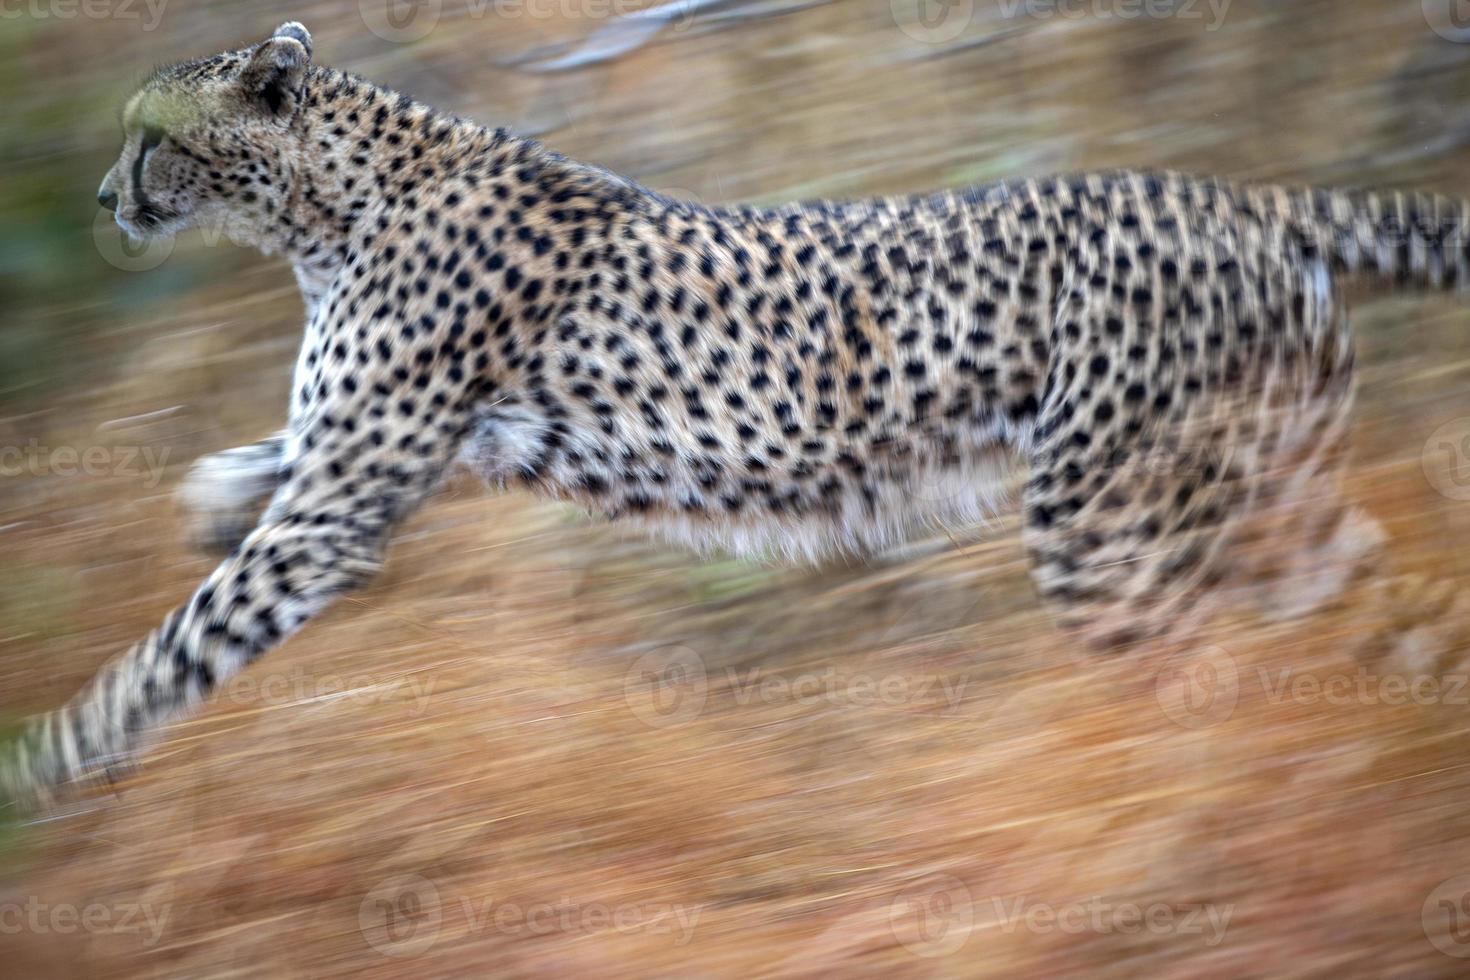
(478,719)
(481,718)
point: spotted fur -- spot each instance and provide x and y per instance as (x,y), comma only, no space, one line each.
(1168,355)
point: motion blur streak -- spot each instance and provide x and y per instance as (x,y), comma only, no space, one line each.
(541,746)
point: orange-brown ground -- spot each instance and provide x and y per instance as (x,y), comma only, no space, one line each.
(542,747)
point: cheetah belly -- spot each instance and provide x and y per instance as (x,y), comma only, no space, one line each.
(896,500)
(903,506)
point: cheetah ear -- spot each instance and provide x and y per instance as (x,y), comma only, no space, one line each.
(277,68)
(296,32)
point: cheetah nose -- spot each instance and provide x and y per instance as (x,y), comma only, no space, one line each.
(107,199)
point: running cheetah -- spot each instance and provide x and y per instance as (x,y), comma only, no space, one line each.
(1170,356)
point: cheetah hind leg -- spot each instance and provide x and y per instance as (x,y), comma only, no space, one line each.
(224,493)
(1231,503)
(1132,545)
(1304,543)
(1221,465)
(1307,543)
(1309,547)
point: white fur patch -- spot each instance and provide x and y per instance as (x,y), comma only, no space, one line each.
(230,481)
(932,498)
(505,440)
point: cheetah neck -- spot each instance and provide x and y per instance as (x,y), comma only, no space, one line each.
(364,152)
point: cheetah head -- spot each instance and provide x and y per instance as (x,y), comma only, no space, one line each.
(211,141)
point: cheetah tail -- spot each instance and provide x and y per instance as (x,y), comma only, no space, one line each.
(1406,240)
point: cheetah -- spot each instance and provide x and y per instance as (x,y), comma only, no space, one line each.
(1168,356)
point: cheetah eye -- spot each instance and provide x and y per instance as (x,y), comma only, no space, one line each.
(152,136)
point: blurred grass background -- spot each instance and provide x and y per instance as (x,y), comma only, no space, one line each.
(480,718)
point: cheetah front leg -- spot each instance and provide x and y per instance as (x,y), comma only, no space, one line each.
(324,532)
(225,492)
